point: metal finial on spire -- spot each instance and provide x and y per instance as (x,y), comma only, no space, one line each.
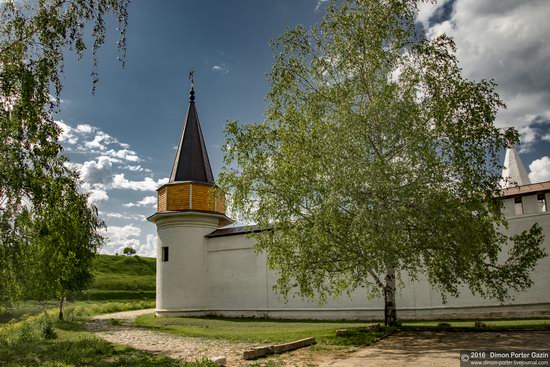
(192,78)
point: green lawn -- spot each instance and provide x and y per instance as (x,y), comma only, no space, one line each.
(121,283)
(261,331)
(23,344)
(271,331)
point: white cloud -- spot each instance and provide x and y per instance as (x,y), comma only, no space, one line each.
(528,136)
(506,41)
(137,168)
(97,172)
(149,248)
(221,68)
(138,217)
(540,170)
(67,135)
(101,141)
(428,9)
(84,128)
(125,154)
(147,184)
(119,237)
(146,201)
(97,196)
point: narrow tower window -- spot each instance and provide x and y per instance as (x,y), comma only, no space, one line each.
(519,206)
(541,203)
(165,254)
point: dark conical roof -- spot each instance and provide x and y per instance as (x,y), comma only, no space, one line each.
(191,163)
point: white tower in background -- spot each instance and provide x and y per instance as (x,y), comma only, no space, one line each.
(514,173)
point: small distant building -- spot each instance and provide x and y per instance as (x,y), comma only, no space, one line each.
(205,267)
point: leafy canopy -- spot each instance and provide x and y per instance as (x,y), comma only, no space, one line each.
(48,234)
(376,154)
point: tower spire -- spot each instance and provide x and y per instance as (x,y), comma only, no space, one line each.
(191,162)
(192,91)
(514,172)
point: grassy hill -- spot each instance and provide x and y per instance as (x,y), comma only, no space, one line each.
(122,277)
(122,281)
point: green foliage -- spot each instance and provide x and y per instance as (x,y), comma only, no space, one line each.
(47,329)
(129,251)
(376,156)
(45,222)
(27,333)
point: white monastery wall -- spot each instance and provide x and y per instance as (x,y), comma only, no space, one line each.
(240,284)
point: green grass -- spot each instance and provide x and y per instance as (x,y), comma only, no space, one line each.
(23,310)
(121,283)
(22,344)
(83,309)
(124,273)
(261,331)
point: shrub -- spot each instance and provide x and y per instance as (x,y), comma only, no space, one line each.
(47,328)
(27,333)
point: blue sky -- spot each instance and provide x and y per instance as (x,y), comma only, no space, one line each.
(122,139)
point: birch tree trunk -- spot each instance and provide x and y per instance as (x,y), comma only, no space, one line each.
(390,311)
(61,302)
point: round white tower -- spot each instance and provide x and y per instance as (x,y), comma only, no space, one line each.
(189,207)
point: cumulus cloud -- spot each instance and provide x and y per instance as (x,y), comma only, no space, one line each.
(149,248)
(125,154)
(147,184)
(540,170)
(97,172)
(127,216)
(100,141)
(528,137)
(146,201)
(85,128)
(137,168)
(96,195)
(68,134)
(506,41)
(117,238)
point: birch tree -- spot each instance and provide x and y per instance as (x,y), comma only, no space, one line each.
(377,159)
(47,231)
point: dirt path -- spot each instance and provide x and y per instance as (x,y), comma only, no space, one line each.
(441,349)
(174,346)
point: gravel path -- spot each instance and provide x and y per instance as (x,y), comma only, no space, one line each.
(174,346)
(125,315)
